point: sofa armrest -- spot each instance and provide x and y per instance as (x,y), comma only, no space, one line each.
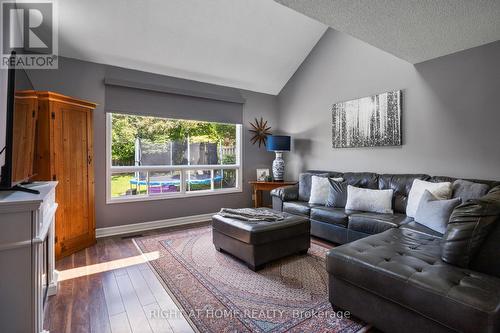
(282,194)
(469,227)
(286,193)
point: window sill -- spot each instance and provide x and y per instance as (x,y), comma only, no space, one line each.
(186,195)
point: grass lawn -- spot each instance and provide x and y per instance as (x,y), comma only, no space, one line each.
(121,183)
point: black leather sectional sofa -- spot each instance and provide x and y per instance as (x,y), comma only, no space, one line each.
(401,276)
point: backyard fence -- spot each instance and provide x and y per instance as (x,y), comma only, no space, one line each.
(178,153)
(229,150)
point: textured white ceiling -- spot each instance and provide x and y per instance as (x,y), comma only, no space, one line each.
(413,30)
(249,44)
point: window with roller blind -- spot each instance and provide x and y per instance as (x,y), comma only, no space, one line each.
(171,138)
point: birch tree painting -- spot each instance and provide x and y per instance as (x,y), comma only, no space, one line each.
(368,121)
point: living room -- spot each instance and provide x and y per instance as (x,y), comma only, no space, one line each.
(250,166)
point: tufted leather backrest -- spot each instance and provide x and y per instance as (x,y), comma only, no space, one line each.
(361,179)
(470,225)
(439,179)
(487,259)
(331,174)
(401,185)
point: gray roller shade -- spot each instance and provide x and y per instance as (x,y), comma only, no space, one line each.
(149,99)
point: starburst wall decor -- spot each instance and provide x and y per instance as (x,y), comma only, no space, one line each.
(260,131)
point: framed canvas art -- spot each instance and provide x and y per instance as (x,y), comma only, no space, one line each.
(368,122)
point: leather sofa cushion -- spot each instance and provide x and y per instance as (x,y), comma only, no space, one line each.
(330,215)
(470,224)
(361,179)
(373,223)
(286,193)
(440,179)
(261,232)
(419,228)
(487,259)
(405,267)
(298,207)
(331,174)
(401,185)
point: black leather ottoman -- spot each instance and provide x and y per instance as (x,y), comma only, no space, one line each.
(257,243)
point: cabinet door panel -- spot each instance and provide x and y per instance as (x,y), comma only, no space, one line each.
(74,224)
(25,114)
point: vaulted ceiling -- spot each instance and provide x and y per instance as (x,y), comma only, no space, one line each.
(259,44)
(413,30)
(248,44)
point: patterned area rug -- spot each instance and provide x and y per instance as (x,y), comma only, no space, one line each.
(218,293)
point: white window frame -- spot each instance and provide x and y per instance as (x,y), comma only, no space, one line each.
(110,170)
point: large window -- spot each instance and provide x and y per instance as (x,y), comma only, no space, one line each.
(158,158)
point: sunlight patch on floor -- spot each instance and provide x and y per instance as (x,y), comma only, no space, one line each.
(73,273)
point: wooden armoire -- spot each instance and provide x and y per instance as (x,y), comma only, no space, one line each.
(65,153)
(25,118)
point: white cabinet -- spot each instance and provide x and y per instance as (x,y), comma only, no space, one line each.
(27,274)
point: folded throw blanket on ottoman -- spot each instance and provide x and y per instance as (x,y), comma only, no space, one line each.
(252,214)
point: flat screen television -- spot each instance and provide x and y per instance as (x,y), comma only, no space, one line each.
(18,130)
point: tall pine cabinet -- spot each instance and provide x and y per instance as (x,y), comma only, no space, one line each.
(65,153)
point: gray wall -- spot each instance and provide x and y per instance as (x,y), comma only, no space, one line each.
(450,119)
(85,80)
(451,110)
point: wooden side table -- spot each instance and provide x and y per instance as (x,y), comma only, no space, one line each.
(259,186)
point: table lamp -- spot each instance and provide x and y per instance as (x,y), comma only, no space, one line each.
(278,144)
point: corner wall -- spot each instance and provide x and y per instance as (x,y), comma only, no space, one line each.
(85,80)
(451,110)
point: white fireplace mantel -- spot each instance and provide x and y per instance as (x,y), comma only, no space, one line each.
(26,228)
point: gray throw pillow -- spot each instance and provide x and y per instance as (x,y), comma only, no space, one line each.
(305,183)
(467,190)
(337,197)
(434,213)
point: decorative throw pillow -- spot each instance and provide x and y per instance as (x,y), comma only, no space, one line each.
(435,213)
(320,187)
(467,190)
(337,197)
(305,184)
(441,191)
(377,201)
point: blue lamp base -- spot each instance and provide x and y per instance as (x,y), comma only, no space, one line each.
(278,167)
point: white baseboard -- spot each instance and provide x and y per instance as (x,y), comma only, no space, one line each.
(137,227)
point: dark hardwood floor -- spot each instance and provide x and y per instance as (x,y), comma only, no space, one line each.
(108,288)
